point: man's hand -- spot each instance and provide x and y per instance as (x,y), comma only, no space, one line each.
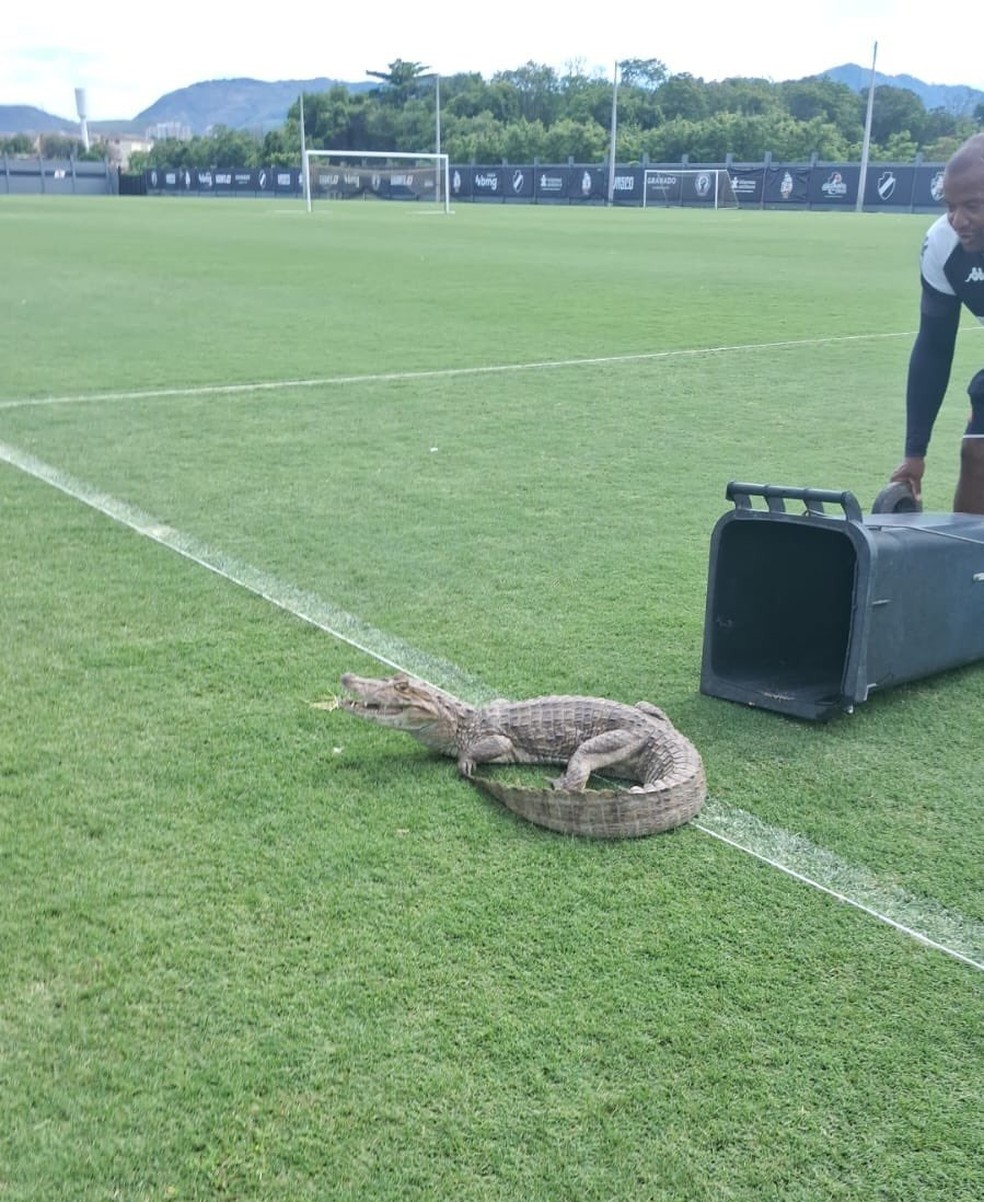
(910,471)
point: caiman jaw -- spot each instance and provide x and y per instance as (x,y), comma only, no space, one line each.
(405,703)
(391,701)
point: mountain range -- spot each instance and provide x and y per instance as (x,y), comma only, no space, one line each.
(253,104)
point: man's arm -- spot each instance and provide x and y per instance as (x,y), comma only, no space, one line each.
(929,367)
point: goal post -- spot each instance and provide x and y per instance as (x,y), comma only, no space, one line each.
(377,174)
(700,187)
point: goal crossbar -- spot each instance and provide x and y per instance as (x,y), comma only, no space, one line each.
(385,174)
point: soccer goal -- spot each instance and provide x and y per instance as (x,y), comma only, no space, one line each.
(376,175)
(709,187)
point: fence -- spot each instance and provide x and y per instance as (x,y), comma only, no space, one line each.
(57,177)
(895,187)
(898,187)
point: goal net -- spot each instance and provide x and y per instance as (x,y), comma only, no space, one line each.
(702,187)
(376,175)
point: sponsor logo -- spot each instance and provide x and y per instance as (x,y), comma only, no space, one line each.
(456,181)
(886,184)
(786,186)
(223,179)
(153,179)
(489,180)
(624,183)
(551,183)
(744,185)
(702,185)
(661,181)
(834,185)
(586,184)
(936,186)
(284,179)
(518,179)
(204,179)
(976,276)
(261,179)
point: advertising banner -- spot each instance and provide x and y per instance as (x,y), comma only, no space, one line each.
(927,188)
(627,186)
(489,183)
(749,186)
(461,183)
(835,185)
(786,185)
(551,184)
(888,186)
(587,184)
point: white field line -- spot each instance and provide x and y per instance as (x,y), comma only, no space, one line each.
(922,919)
(443,373)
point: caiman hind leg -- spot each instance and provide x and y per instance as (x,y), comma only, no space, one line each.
(601,751)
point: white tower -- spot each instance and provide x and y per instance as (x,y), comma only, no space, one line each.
(80,108)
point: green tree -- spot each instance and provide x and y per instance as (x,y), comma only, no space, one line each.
(59,146)
(683,97)
(900,148)
(399,82)
(226,147)
(748,97)
(584,141)
(647,74)
(478,139)
(523,141)
(17,144)
(537,89)
(896,111)
(587,98)
(834,103)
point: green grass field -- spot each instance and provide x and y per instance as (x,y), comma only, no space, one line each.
(251,949)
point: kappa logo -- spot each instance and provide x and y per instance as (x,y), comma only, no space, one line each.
(976,276)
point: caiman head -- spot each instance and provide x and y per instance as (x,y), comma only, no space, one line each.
(408,704)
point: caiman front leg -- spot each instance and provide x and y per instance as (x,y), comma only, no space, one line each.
(601,751)
(487,750)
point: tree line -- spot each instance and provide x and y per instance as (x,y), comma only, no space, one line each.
(535,113)
(53,146)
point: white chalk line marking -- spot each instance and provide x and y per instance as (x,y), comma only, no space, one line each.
(922,919)
(442,373)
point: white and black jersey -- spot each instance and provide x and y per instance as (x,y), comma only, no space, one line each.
(951,277)
(948,271)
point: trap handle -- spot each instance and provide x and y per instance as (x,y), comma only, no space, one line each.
(776,495)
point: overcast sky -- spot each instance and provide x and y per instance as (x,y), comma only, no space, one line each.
(127,59)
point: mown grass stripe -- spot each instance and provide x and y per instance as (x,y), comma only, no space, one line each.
(920,918)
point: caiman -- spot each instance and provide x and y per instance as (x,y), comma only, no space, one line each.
(586,734)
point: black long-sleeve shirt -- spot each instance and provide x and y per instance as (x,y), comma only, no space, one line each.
(951,277)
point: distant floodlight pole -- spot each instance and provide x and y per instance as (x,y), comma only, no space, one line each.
(304,164)
(611,144)
(865,146)
(80,106)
